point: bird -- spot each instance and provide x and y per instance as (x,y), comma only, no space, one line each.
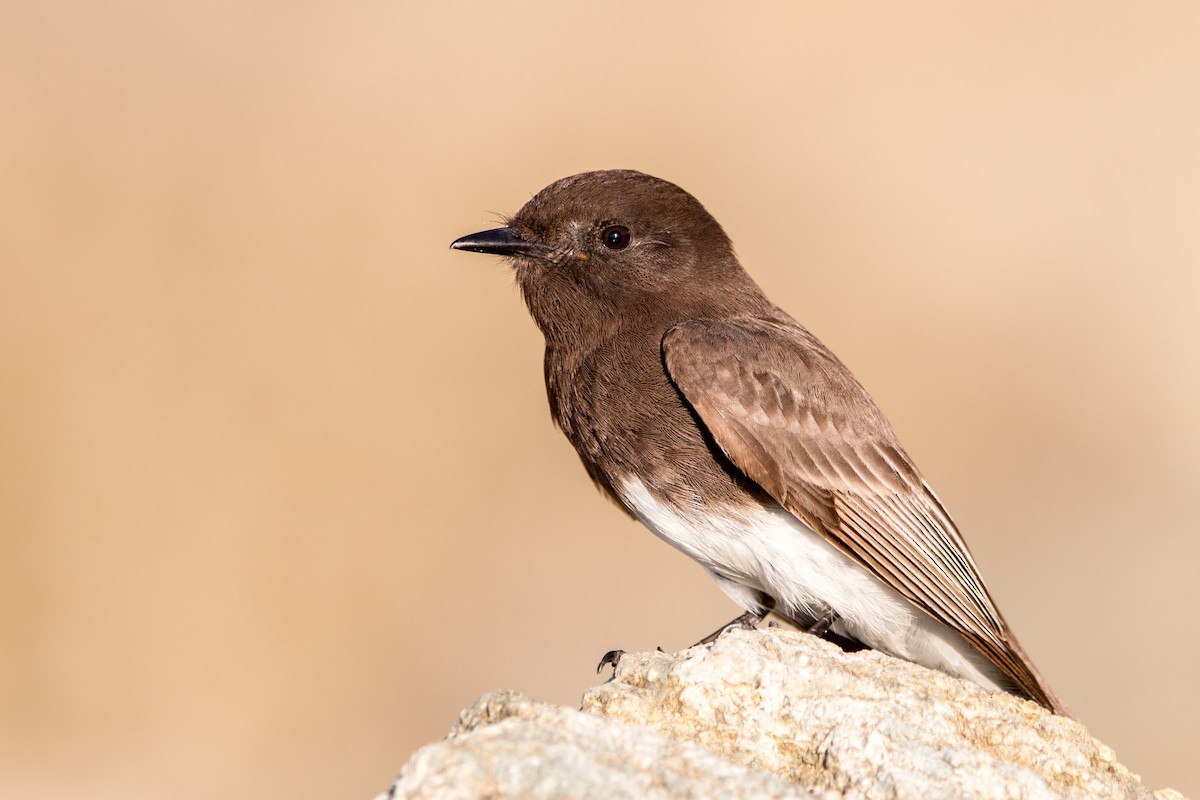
(729,430)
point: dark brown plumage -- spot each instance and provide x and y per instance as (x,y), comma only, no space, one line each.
(735,435)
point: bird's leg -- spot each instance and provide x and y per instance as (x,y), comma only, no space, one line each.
(748,621)
(820,626)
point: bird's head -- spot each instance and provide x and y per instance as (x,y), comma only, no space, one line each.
(600,247)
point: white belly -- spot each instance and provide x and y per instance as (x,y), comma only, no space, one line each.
(769,550)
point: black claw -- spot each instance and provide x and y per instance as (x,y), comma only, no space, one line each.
(659,649)
(611,658)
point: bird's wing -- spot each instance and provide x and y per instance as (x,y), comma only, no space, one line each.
(790,415)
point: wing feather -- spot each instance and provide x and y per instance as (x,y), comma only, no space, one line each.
(792,417)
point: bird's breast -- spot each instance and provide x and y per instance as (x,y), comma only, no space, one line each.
(619,409)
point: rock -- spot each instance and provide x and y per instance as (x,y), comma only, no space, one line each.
(771,713)
(507,746)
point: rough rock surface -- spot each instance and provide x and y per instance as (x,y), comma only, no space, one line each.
(507,746)
(770,713)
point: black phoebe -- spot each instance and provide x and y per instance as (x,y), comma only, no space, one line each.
(735,435)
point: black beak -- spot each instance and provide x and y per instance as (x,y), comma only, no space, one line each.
(501,241)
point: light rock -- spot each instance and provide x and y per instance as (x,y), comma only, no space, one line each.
(771,713)
(507,746)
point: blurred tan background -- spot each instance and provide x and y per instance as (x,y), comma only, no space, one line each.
(279,492)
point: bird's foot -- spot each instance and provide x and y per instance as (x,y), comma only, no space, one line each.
(747,621)
(610,659)
(613,659)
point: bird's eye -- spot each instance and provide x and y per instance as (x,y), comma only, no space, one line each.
(615,237)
